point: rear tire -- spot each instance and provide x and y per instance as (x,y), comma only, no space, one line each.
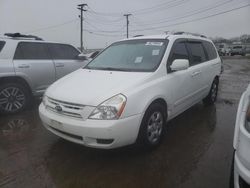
(14,98)
(212,96)
(152,127)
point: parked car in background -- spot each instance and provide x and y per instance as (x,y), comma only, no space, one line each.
(131,89)
(241,162)
(28,65)
(238,50)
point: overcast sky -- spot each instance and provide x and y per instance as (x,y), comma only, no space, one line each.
(57,20)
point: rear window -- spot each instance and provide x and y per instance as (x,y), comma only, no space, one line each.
(31,50)
(63,51)
(2,43)
(197,52)
(211,52)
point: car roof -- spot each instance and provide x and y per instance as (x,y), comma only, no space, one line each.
(22,39)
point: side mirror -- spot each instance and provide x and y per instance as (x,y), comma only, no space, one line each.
(179,64)
(81,57)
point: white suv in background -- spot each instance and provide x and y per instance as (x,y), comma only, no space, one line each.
(131,89)
(28,65)
(241,162)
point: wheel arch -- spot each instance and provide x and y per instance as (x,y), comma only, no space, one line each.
(158,100)
(16,79)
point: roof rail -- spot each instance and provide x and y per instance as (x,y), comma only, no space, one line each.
(188,33)
(138,35)
(19,35)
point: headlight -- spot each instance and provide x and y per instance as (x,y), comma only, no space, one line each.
(110,109)
(248,119)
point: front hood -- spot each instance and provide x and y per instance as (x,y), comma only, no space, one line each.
(92,87)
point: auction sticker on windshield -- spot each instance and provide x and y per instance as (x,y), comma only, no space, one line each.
(154,43)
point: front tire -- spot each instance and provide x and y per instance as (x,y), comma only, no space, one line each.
(212,96)
(13,98)
(152,127)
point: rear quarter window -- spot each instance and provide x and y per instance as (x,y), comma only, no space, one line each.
(211,52)
(2,43)
(63,51)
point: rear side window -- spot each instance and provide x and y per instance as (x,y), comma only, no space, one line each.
(31,50)
(2,43)
(211,52)
(197,52)
(63,51)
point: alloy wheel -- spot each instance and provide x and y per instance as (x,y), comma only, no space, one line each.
(11,99)
(154,127)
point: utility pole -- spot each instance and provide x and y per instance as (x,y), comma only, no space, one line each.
(81,8)
(127,15)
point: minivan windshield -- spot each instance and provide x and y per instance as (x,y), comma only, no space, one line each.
(139,55)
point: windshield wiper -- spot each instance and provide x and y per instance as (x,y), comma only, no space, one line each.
(107,68)
(111,69)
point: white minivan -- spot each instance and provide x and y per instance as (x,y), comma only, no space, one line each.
(131,89)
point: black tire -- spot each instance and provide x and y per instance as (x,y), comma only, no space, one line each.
(153,127)
(231,178)
(212,96)
(14,98)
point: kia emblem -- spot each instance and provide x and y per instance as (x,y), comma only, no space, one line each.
(58,108)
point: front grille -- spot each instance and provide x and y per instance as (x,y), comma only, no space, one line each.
(68,109)
(67,134)
(243,183)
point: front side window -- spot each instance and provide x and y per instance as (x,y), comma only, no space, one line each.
(2,43)
(197,52)
(179,51)
(141,55)
(31,50)
(63,51)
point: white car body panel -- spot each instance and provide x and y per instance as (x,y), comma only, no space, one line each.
(242,142)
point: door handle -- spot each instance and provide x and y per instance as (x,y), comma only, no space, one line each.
(59,65)
(195,73)
(25,66)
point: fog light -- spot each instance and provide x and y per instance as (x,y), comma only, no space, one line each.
(104,141)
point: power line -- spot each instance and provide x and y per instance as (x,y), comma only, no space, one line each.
(192,13)
(193,20)
(51,27)
(104,31)
(154,9)
(101,34)
(102,21)
(144,29)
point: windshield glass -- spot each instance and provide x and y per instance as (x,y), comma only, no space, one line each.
(135,55)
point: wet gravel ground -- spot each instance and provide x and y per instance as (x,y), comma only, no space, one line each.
(196,153)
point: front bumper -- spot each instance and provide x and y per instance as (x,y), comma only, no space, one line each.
(106,134)
(242,158)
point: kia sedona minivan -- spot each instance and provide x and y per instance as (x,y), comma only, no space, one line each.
(129,92)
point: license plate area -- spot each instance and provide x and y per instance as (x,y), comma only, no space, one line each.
(57,124)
